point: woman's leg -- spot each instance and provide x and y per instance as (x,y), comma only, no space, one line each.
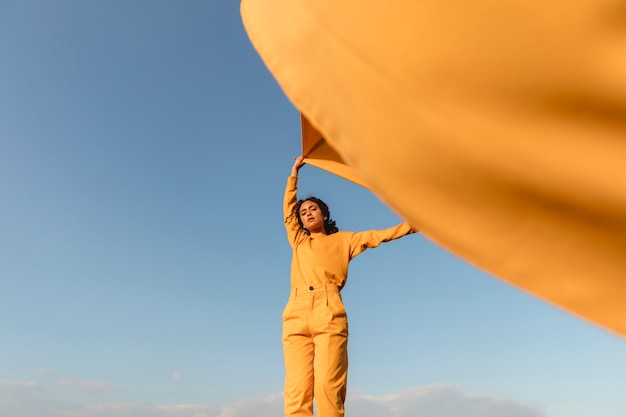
(298,350)
(331,357)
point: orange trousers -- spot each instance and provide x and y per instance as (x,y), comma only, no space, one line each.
(315,345)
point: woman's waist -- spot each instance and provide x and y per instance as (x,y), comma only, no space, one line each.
(315,288)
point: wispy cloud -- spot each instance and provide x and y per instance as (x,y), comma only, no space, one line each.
(439,401)
(44,371)
(89,387)
(135,410)
(431,400)
(25,399)
(8,383)
(257,406)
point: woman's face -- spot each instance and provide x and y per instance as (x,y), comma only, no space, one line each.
(311,217)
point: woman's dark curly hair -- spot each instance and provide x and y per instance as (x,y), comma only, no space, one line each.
(329,224)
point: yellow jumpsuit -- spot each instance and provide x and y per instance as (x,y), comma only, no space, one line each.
(315,325)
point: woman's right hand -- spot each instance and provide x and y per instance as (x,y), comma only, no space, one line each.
(297,164)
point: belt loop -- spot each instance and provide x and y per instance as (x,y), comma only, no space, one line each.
(326,288)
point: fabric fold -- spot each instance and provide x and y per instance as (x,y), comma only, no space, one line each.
(496,128)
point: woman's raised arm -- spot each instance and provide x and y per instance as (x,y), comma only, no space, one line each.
(289,202)
(297,164)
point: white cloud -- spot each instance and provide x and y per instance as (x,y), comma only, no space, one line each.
(176,376)
(136,410)
(24,399)
(439,401)
(251,407)
(4,383)
(86,386)
(89,387)
(27,399)
(258,407)
(44,371)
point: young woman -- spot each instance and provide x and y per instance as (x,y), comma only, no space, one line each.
(315,325)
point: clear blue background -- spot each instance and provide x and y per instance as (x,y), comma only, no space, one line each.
(144,150)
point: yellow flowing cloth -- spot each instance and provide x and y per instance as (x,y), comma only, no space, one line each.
(320,154)
(497,128)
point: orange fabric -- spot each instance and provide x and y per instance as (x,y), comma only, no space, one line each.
(320,154)
(497,128)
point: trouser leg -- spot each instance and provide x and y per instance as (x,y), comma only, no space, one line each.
(331,358)
(331,374)
(298,349)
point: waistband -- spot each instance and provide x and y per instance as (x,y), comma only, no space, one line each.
(325,288)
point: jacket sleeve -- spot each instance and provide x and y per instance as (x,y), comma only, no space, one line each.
(372,238)
(294,230)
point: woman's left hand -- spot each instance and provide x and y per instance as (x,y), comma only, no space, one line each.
(297,164)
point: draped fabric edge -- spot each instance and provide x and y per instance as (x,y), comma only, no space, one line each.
(320,154)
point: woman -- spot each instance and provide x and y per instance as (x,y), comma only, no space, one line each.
(315,325)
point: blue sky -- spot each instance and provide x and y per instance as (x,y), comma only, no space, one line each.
(144,150)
